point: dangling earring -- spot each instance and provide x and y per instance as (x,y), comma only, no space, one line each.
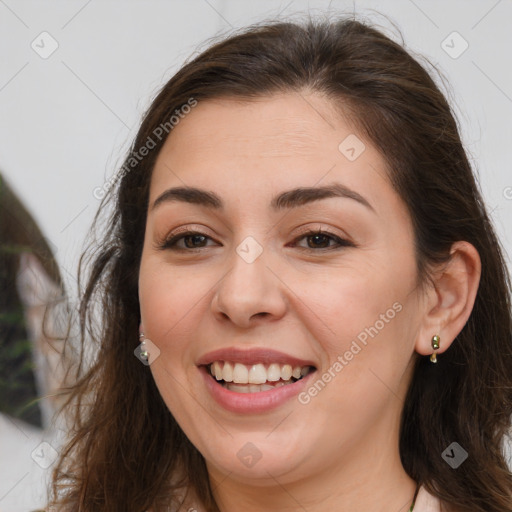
(144,354)
(435,345)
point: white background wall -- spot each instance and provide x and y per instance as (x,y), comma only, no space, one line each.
(66,121)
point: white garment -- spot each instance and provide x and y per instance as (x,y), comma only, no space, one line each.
(425,502)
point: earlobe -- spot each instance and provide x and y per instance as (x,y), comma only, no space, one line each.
(450,300)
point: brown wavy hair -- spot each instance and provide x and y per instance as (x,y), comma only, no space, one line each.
(125,444)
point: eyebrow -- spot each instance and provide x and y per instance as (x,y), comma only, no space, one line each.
(290,199)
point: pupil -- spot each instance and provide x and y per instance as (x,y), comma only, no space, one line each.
(192,238)
(316,237)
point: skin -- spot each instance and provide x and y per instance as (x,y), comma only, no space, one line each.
(340,450)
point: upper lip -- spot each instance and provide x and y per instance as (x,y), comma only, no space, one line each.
(251,356)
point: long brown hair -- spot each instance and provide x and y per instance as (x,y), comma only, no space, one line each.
(125,444)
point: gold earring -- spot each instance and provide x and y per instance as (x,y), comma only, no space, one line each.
(435,345)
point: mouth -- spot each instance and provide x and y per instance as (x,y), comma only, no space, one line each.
(255,378)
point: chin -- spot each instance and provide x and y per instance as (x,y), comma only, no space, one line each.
(256,457)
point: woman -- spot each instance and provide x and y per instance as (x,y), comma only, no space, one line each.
(300,248)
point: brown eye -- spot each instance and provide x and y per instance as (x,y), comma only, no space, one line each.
(192,240)
(320,240)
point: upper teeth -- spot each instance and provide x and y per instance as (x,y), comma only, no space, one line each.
(256,373)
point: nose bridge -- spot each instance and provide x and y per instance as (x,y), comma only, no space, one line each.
(249,288)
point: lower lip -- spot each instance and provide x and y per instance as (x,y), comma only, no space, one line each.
(258,402)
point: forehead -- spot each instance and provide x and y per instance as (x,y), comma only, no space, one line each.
(279,125)
(272,142)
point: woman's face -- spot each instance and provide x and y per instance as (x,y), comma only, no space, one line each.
(254,293)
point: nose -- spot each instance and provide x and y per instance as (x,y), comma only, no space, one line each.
(249,293)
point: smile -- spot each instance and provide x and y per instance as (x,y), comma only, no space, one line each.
(256,378)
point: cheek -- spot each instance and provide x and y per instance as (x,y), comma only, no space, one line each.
(367,356)
(168,296)
(168,301)
(355,302)
(362,321)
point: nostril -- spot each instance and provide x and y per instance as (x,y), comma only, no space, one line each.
(261,314)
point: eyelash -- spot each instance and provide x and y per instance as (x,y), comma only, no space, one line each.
(170,243)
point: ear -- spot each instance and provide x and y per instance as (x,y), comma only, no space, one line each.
(450,299)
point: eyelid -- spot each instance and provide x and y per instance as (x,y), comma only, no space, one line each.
(318,228)
(185,229)
(189,229)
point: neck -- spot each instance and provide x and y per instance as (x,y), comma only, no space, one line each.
(374,482)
